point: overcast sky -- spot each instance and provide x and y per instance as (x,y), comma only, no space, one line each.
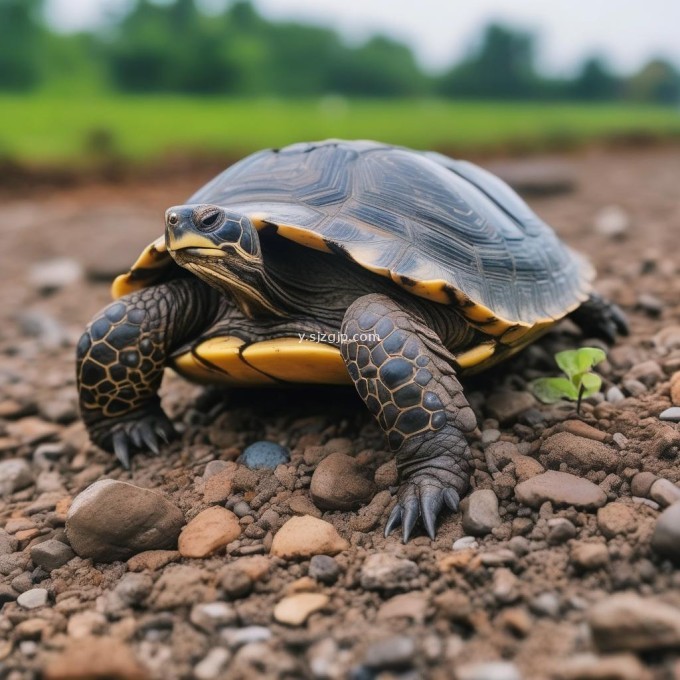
(627,32)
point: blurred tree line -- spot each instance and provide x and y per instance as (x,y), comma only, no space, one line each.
(175,47)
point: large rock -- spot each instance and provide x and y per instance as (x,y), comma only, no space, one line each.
(210,530)
(114,520)
(339,483)
(628,622)
(560,488)
(666,537)
(302,537)
(580,453)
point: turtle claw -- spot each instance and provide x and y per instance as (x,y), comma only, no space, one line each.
(121,448)
(410,517)
(145,432)
(149,437)
(394,520)
(452,499)
(423,497)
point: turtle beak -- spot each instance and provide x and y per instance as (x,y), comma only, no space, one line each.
(181,234)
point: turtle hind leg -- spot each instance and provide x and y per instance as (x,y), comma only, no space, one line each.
(404,375)
(600,318)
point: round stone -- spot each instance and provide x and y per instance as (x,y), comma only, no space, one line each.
(296,609)
(210,530)
(480,512)
(32,599)
(340,483)
(560,488)
(324,568)
(264,454)
(114,520)
(302,537)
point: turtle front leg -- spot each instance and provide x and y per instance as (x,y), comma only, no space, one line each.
(404,375)
(121,357)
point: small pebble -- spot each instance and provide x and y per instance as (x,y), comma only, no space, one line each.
(242,509)
(324,568)
(51,554)
(614,395)
(303,537)
(393,653)
(465,542)
(213,664)
(236,637)
(210,616)
(480,512)
(560,530)
(664,492)
(589,556)
(296,609)
(32,599)
(210,530)
(612,221)
(383,571)
(492,670)
(264,454)
(8,543)
(15,474)
(666,537)
(51,275)
(671,414)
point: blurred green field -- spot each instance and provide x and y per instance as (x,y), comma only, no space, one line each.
(41,129)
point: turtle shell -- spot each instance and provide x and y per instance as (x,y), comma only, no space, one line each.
(443,229)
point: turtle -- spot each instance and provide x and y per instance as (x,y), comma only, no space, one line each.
(339,262)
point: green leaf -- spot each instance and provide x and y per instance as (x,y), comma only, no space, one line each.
(591,384)
(551,390)
(575,361)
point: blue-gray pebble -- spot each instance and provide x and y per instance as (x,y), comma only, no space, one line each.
(264,455)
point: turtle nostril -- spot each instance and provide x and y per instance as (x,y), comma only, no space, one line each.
(173,219)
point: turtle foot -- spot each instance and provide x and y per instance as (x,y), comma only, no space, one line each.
(138,431)
(423,496)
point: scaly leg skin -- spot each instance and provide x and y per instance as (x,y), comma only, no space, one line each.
(121,357)
(403,374)
(597,317)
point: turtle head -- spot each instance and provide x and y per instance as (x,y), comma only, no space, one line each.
(222,248)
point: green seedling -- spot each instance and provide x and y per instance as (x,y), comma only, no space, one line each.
(580,381)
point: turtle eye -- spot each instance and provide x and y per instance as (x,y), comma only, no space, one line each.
(209,220)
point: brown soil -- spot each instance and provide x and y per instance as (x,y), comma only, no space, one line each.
(459,613)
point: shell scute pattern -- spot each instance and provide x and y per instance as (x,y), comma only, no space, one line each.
(416,217)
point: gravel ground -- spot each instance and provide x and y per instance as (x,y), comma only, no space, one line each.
(561,564)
